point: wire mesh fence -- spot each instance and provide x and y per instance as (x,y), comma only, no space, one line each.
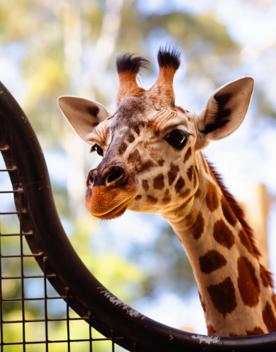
(33,316)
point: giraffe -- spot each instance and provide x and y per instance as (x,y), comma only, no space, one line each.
(152,161)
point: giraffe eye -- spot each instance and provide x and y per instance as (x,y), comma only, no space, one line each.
(176,138)
(97,148)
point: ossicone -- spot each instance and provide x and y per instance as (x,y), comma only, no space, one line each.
(128,66)
(168,61)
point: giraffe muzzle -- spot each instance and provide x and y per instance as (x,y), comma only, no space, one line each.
(109,192)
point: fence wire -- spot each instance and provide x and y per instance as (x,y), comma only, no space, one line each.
(33,316)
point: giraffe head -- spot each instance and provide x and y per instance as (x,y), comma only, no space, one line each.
(149,144)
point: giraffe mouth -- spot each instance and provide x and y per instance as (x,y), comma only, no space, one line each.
(115,212)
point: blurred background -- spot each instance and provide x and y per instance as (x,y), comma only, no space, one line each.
(49,48)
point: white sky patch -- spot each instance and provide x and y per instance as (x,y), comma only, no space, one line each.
(163,6)
(248,24)
(174,311)
(58,164)
(10,74)
(130,229)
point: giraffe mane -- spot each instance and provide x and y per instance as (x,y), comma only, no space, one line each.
(236,208)
(238,211)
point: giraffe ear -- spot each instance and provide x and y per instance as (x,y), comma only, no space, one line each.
(82,114)
(225,110)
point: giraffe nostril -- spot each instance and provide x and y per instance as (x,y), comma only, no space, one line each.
(114,174)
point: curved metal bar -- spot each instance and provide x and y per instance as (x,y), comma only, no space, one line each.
(86,295)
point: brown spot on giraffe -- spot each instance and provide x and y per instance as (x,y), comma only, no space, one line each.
(158,182)
(256,331)
(130,138)
(161,162)
(211,330)
(122,148)
(188,154)
(266,276)
(190,172)
(145,185)
(228,212)
(174,169)
(136,129)
(223,235)
(196,223)
(167,197)
(211,261)
(269,318)
(145,166)
(152,199)
(134,157)
(211,197)
(247,282)
(223,296)
(179,184)
(247,242)
(138,197)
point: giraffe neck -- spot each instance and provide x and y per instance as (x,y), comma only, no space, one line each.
(234,287)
